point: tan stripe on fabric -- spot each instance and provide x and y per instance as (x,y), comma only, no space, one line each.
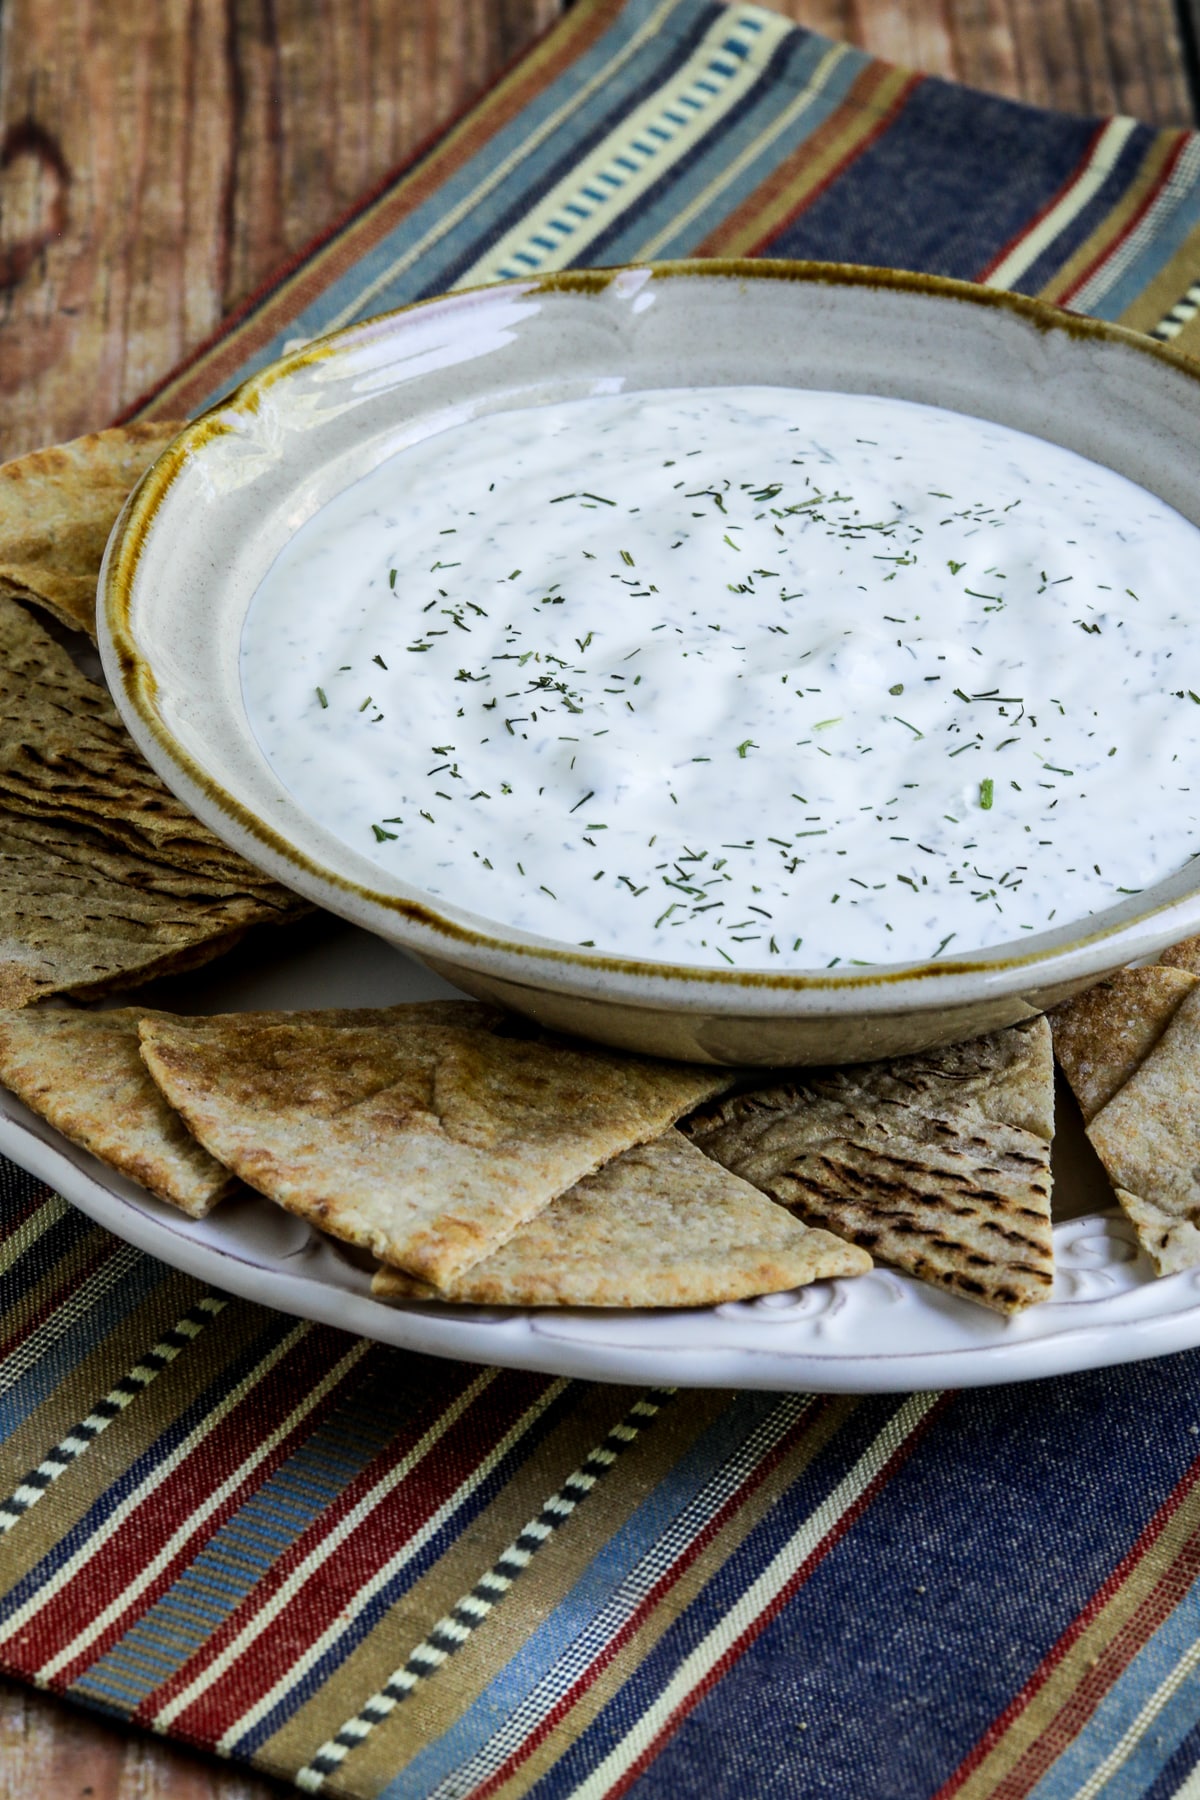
(252,1628)
(63,1279)
(1045,229)
(869,100)
(439,1701)
(570,39)
(686,1590)
(621,146)
(207,1498)
(72,1397)
(1169,285)
(1039,1723)
(128,1435)
(1114,222)
(435,1707)
(748,155)
(27,1234)
(495,176)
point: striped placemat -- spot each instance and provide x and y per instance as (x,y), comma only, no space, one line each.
(372,1572)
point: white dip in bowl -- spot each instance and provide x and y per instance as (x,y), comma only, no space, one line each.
(907,561)
(746,676)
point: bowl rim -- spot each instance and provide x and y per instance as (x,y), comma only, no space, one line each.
(419,924)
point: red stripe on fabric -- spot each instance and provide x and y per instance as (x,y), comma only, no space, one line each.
(792,1586)
(329,1589)
(1132,223)
(1070,1637)
(1060,194)
(580,29)
(118,1559)
(885,122)
(666,1581)
(729,236)
(69,1283)
(1112,1663)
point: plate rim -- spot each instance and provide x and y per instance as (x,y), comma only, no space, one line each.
(67,1170)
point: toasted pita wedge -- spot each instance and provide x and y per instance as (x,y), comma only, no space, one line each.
(1148,1138)
(1184,955)
(470,1015)
(81,918)
(57,508)
(84,1073)
(937,1163)
(105,878)
(1103,1035)
(427,1143)
(66,756)
(660,1225)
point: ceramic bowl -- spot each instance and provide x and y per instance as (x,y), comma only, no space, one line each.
(207,521)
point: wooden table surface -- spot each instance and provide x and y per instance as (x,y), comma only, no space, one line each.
(156,162)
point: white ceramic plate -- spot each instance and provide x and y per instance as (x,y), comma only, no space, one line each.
(881,1332)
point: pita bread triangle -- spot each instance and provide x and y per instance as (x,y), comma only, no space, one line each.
(67,759)
(83,1072)
(426,1142)
(1148,1138)
(57,508)
(1103,1035)
(80,917)
(659,1225)
(105,878)
(1183,955)
(937,1163)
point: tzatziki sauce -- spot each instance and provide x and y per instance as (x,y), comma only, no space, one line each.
(742,676)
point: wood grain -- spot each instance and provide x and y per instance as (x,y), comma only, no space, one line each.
(157,162)
(1083,56)
(50,1751)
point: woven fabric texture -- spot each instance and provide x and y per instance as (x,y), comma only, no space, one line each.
(375,1573)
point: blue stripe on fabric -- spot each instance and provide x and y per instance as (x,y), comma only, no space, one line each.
(1171,234)
(914,1634)
(586,120)
(799,55)
(648,74)
(36,1264)
(722,1592)
(160,1450)
(364,1623)
(1179,1765)
(612,1565)
(80,1336)
(786,74)
(242,1551)
(952,180)
(1112,190)
(1119,1708)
